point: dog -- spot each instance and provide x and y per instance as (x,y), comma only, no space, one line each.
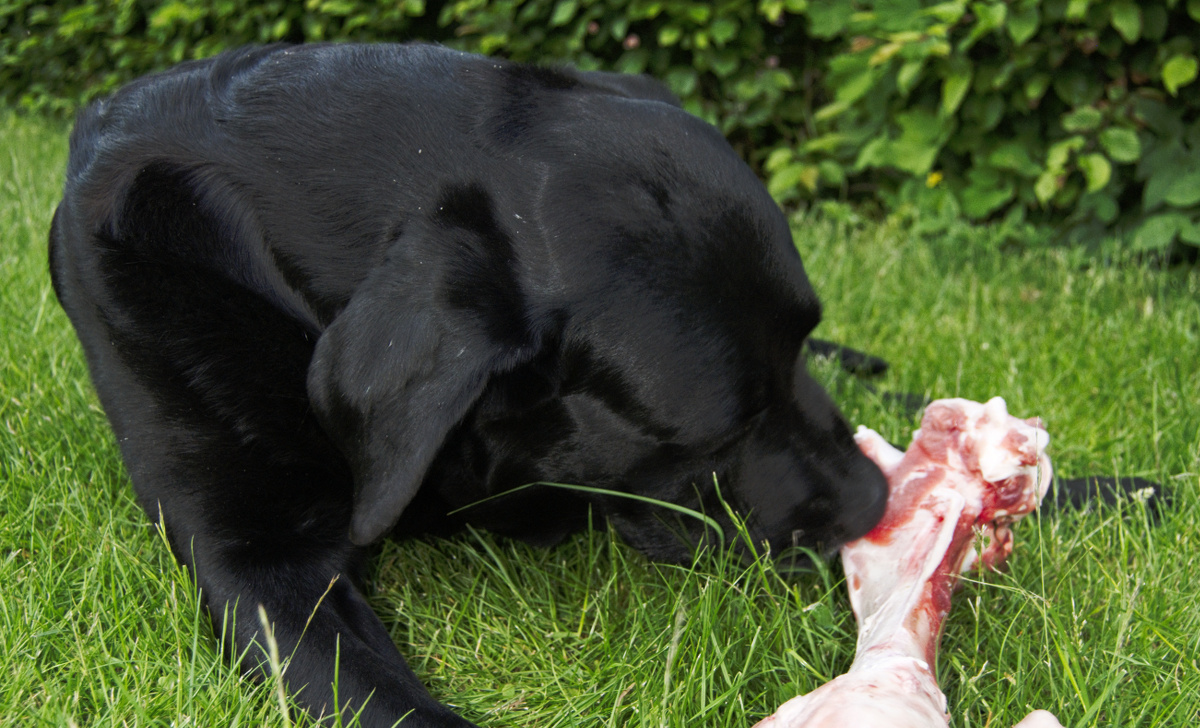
(332,293)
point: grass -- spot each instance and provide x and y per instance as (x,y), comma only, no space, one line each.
(1098,618)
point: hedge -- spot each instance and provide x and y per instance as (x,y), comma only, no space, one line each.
(1083,113)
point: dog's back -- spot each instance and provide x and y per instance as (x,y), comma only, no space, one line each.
(313,158)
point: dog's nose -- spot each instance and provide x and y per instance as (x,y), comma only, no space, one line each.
(862,500)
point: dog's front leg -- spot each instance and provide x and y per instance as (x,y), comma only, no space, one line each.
(211,415)
(333,652)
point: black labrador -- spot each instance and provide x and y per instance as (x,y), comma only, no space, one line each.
(330,293)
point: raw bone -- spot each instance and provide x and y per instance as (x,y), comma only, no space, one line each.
(972,470)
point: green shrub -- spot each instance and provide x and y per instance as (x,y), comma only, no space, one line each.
(56,55)
(1084,113)
(1080,111)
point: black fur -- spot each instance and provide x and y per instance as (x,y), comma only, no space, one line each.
(333,292)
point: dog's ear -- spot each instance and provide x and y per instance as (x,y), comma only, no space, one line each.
(413,350)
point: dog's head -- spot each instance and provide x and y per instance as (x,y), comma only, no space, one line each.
(640,332)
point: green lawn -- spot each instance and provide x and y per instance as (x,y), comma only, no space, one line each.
(1098,618)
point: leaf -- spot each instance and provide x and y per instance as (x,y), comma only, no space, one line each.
(780,78)
(909,74)
(1023,24)
(949,12)
(990,16)
(1179,71)
(682,81)
(884,53)
(772,10)
(787,179)
(1077,9)
(1015,156)
(669,35)
(176,13)
(1060,152)
(1126,18)
(827,19)
(829,111)
(986,192)
(1078,88)
(564,10)
(749,89)
(725,62)
(917,146)
(1163,120)
(1160,179)
(1085,118)
(954,89)
(337,7)
(1096,169)
(493,42)
(1036,87)
(824,143)
(619,29)
(914,157)
(1193,9)
(723,30)
(1158,231)
(778,158)
(634,61)
(873,154)
(1190,233)
(857,86)
(1154,21)
(1103,206)
(280,28)
(1172,175)
(1121,144)
(906,37)
(832,172)
(641,11)
(1184,190)
(1046,187)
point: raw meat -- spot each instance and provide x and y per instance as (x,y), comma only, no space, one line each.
(970,473)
